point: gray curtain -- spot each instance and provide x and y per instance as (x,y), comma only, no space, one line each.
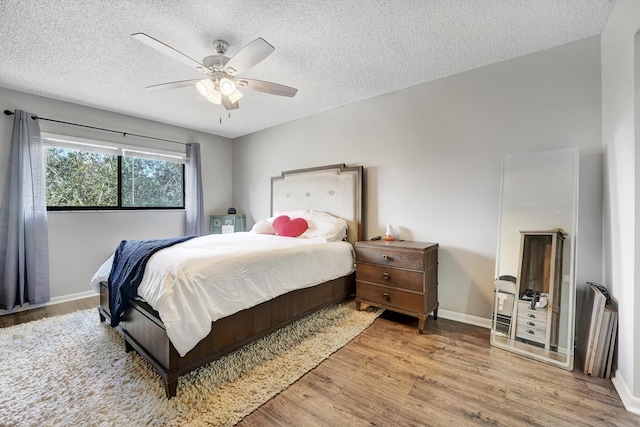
(24,243)
(193,203)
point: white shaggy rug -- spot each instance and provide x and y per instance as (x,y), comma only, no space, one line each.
(72,370)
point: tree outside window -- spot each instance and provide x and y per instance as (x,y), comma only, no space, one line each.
(78,179)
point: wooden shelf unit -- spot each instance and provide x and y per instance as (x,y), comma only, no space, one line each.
(539,269)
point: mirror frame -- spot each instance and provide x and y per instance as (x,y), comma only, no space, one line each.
(556,358)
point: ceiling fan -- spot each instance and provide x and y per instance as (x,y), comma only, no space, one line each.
(221,85)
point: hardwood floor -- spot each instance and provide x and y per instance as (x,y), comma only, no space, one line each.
(48,311)
(449,376)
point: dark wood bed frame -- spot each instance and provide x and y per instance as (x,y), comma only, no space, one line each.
(143,331)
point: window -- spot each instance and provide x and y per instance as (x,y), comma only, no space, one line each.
(152,183)
(83,174)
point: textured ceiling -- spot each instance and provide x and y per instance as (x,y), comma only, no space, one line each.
(334,52)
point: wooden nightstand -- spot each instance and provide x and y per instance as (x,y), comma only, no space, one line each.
(398,276)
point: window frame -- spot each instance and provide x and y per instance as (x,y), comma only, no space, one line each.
(119,150)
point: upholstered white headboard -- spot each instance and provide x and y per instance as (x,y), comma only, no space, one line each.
(335,189)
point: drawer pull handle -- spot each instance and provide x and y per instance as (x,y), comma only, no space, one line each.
(533,316)
(386,258)
(386,276)
(386,297)
(531,324)
(530,332)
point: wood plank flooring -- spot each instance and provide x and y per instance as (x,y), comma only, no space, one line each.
(48,311)
(449,376)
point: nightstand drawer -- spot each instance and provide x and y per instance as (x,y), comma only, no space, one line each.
(404,279)
(532,323)
(391,257)
(537,316)
(534,334)
(390,297)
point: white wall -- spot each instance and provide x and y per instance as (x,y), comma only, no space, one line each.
(622,186)
(80,241)
(433,156)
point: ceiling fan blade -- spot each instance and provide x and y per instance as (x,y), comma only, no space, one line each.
(169,51)
(267,87)
(249,56)
(228,105)
(173,85)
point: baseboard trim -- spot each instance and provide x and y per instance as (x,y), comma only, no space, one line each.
(630,402)
(53,301)
(465,318)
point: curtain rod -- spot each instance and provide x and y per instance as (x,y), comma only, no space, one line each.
(124,134)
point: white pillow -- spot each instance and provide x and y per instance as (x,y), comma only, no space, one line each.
(263,227)
(322,226)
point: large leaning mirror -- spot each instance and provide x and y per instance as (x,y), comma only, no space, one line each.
(534,307)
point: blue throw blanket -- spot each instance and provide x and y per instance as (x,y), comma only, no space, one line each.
(129,261)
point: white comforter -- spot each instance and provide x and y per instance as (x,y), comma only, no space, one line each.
(196,282)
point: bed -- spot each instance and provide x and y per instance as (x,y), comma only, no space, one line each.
(334,189)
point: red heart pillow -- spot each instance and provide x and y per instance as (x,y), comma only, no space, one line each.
(286,226)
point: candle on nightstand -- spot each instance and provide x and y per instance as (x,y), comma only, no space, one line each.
(388,235)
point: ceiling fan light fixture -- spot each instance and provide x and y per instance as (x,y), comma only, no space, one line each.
(215,97)
(205,87)
(235,96)
(227,86)
(221,86)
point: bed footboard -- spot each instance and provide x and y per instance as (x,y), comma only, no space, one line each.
(144,332)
